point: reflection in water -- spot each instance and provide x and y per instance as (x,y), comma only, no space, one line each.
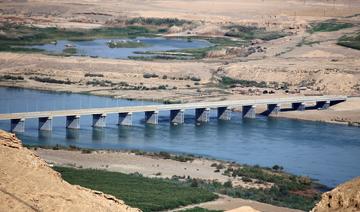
(72,134)
(149,131)
(44,135)
(98,134)
(124,132)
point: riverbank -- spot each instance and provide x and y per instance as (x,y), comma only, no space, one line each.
(167,166)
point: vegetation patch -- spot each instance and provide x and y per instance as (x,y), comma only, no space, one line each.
(11,77)
(126,44)
(287,190)
(165,155)
(329,26)
(230,82)
(253,32)
(51,80)
(148,194)
(93,75)
(157,21)
(351,41)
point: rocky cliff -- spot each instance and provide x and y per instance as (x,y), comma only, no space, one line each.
(344,198)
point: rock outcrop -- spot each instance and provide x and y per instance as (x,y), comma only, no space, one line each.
(344,198)
(27,183)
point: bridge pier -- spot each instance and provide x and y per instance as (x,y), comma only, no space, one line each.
(125,119)
(17,125)
(151,117)
(249,111)
(73,122)
(273,109)
(224,113)
(300,106)
(177,116)
(45,123)
(99,120)
(322,105)
(202,114)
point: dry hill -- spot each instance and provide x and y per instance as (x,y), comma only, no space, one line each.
(27,183)
(344,198)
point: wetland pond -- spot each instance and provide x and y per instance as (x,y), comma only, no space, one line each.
(327,152)
(128,47)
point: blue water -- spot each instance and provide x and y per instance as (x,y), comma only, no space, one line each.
(328,152)
(99,48)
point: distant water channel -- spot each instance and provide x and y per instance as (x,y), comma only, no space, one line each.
(328,152)
(99,47)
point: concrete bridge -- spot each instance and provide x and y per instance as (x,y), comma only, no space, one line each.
(202,111)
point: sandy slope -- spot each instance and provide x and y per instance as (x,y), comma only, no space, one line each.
(27,183)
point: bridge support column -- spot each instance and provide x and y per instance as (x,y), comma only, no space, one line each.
(300,106)
(224,113)
(273,109)
(249,111)
(125,119)
(73,122)
(202,114)
(177,116)
(45,123)
(151,117)
(322,105)
(99,120)
(17,125)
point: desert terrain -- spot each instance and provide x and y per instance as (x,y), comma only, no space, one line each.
(301,63)
(260,49)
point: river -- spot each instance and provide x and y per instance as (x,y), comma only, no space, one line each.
(327,152)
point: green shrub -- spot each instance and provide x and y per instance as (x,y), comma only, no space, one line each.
(93,75)
(10,77)
(162,87)
(253,32)
(51,80)
(228,184)
(197,79)
(350,41)
(148,194)
(150,75)
(157,21)
(329,26)
(228,82)
(86,151)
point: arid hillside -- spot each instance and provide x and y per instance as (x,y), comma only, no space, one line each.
(27,183)
(345,198)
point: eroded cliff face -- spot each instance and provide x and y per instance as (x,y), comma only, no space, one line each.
(27,183)
(344,198)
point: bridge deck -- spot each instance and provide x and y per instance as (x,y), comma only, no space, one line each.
(109,110)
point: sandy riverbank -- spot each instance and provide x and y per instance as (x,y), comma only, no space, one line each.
(150,166)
